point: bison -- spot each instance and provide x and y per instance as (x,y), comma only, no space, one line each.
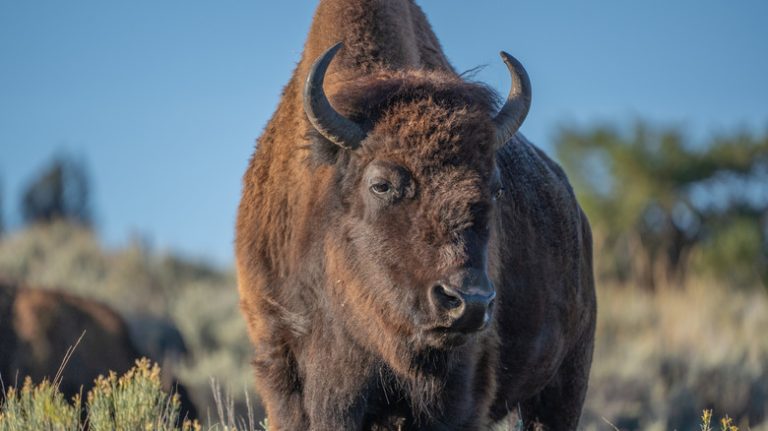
(405,258)
(38,327)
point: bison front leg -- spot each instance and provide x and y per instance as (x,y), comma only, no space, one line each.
(331,407)
(275,365)
(558,406)
(280,388)
(336,386)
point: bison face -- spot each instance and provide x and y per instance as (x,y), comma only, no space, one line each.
(418,236)
(406,247)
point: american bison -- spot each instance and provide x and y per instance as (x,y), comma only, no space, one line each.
(38,327)
(406,259)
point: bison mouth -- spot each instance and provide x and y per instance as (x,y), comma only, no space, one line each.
(456,334)
(446,338)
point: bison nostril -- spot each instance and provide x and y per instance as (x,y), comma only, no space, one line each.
(446,297)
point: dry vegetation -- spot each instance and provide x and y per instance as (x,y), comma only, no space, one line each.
(134,401)
(661,357)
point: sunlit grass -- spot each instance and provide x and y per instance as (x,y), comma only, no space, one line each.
(134,401)
(661,357)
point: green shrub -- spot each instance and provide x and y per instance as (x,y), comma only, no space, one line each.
(132,402)
(38,407)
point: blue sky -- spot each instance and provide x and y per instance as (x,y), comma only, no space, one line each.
(164,99)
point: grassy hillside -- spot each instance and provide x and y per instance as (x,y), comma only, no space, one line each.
(661,357)
(199,299)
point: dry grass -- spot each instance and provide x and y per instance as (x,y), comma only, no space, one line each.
(661,358)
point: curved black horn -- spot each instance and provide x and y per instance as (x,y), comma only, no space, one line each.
(334,126)
(512,114)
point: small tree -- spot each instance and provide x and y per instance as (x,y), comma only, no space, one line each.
(2,224)
(660,203)
(61,191)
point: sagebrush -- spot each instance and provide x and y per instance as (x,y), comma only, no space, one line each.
(134,401)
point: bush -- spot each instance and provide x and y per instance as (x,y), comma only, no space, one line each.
(134,401)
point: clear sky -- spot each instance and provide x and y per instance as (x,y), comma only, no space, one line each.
(164,99)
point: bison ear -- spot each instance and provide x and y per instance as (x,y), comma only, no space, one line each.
(322,151)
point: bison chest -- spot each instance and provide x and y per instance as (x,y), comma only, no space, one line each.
(357,386)
(389,410)
(393,415)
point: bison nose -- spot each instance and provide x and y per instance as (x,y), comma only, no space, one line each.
(465,298)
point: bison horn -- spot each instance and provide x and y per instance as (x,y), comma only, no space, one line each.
(512,114)
(335,127)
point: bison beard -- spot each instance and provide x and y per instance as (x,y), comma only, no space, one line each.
(405,258)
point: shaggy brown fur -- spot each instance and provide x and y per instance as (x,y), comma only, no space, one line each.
(37,327)
(335,281)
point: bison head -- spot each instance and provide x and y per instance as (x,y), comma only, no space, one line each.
(411,210)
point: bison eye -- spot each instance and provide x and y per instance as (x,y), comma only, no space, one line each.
(499,193)
(381,187)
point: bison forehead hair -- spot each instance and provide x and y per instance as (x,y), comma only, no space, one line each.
(426,120)
(439,129)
